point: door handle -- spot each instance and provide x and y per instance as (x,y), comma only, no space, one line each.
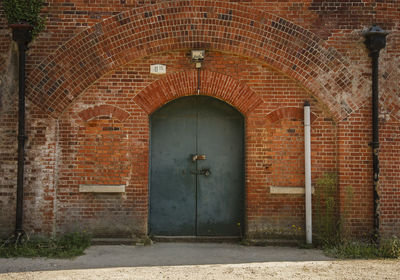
(205,171)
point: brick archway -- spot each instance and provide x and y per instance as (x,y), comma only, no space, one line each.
(170,25)
(223,87)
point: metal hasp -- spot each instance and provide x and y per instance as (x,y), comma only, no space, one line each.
(198,157)
(21,35)
(375,40)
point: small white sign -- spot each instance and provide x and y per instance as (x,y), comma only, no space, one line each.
(158,69)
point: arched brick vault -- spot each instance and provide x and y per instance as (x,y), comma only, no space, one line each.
(213,25)
(214,84)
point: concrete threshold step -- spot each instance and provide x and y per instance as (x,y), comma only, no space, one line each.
(195,239)
(271,242)
(212,239)
(115,241)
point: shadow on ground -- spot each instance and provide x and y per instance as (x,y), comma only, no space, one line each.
(165,254)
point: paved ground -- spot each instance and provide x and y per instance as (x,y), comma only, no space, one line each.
(197,261)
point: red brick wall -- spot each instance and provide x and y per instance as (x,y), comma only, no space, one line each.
(264,57)
(40,159)
(274,140)
(105,146)
(390,172)
(332,51)
(40,163)
(355,164)
(8,162)
(355,175)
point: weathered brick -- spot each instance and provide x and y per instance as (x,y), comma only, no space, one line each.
(90,95)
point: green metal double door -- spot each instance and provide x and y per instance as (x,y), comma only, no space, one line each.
(196,174)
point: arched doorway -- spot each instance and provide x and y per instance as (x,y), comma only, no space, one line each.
(197,170)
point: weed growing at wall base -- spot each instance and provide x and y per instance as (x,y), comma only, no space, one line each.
(327,223)
(330,234)
(67,246)
(388,248)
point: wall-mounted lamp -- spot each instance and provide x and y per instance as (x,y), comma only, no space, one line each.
(198,57)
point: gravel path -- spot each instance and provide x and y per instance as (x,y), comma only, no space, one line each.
(198,261)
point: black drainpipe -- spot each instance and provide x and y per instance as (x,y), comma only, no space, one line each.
(21,35)
(375,40)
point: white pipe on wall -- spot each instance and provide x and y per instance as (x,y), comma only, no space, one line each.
(307,160)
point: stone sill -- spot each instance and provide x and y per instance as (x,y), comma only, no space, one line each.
(102,188)
(288,190)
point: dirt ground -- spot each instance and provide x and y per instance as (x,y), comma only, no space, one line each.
(198,261)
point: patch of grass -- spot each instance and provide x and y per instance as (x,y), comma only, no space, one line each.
(304,245)
(388,248)
(67,246)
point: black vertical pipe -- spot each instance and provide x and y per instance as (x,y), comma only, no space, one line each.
(375,41)
(375,136)
(22,35)
(21,138)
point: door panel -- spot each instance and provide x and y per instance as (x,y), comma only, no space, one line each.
(220,195)
(184,201)
(173,186)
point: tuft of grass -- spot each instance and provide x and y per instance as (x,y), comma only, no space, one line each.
(67,246)
(388,248)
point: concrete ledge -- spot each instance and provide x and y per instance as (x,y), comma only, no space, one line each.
(115,241)
(197,239)
(271,242)
(102,188)
(288,190)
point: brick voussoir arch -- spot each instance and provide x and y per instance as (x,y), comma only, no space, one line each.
(180,84)
(289,113)
(103,110)
(171,25)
